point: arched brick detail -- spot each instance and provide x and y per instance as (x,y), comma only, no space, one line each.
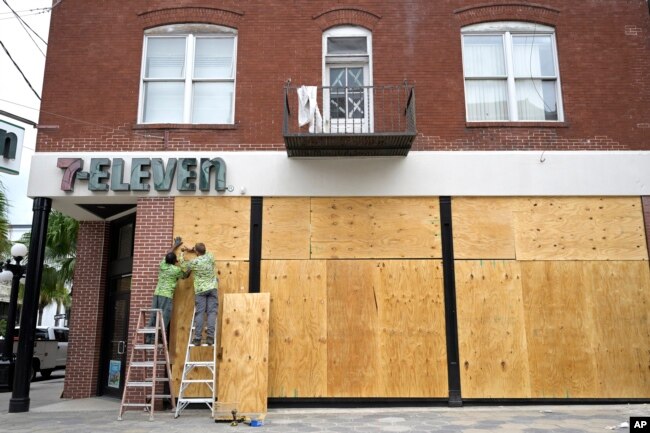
(207,15)
(507,11)
(346,16)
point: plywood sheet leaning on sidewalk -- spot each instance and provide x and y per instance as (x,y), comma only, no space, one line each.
(243,373)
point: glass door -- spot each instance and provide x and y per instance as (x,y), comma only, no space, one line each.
(115,343)
(348,99)
(117,308)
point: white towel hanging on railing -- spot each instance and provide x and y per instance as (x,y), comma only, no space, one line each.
(308,112)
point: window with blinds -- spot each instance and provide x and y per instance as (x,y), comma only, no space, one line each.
(511,72)
(188,75)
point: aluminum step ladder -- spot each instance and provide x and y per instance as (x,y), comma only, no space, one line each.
(202,366)
(150,359)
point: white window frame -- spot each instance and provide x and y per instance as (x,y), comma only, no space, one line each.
(353,61)
(507,29)
(191,32)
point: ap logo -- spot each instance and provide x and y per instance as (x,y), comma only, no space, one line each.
(640,424)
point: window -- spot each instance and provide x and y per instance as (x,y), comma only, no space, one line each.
(188,75)
(347,79)
(511,72)
(61,335)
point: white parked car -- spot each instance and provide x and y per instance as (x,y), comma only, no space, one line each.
(50,349)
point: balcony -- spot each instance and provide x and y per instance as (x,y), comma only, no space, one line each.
(356,121)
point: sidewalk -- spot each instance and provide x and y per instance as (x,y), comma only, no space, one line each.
(48,413)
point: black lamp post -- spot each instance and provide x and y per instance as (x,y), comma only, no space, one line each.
(13,272)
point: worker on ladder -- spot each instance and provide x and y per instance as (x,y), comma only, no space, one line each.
(163,297)
(205,292)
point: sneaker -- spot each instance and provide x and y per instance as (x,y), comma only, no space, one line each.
(196,343)
(208,342)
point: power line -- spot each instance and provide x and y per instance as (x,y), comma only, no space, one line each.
(27,10)
(25,15)
(30,37)
(79,120)
(23,23)
(19,70)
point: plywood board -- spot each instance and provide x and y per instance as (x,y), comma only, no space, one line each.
(385,329)
(352,330)
(286,228)
(375,228)
(580,228)
(560,330)
(233,278)
(491,330)
(621,297)
(221,223)
(411,320)
(243,374)
(298,327)
(483,227)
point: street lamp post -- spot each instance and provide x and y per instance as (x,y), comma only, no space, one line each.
(11,272)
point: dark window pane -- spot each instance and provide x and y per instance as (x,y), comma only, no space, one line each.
(347,45)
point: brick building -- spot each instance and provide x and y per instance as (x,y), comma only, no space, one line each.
(466,217)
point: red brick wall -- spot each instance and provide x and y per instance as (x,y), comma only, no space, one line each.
(93,69)
(87,312)
(646,216)
(153,237)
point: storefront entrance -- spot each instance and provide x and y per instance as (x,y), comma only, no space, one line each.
(116,314)
(114,363)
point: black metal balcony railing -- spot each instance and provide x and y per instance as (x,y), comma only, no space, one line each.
(356,121)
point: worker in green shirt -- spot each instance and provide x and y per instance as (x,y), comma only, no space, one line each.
(163,297)
(205,292)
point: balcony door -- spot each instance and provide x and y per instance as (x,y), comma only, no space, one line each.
(347,80)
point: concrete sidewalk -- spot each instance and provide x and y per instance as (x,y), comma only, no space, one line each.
(48,413)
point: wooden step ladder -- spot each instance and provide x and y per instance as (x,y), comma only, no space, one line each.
(148,364)
(190,365)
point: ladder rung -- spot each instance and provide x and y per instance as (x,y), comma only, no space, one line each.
(200,363)
(140,384)
(147,346)
(195,400)
(198,381)
(147,363)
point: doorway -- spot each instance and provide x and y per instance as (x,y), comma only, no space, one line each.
(117,308)
(119,299)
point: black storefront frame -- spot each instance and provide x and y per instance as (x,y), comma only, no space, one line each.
(118,269)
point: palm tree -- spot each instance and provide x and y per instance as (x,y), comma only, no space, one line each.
(5,244)
(60,258)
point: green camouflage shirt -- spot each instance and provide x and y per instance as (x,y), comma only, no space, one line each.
(167,277)
(202,268)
